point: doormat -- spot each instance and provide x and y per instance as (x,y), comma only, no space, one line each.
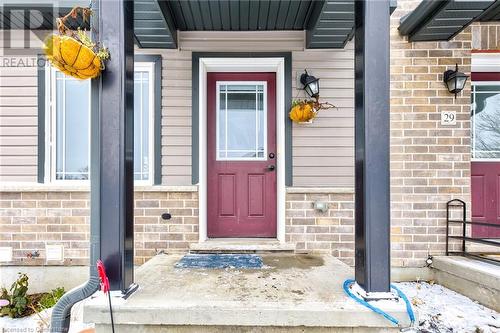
(214,261)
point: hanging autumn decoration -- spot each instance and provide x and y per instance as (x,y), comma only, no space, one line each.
(73,52)
(304,111)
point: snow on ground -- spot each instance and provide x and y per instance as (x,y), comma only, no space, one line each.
(34,323)
(39,323)
(441,310)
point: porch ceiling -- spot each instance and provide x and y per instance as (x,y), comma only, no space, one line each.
(493,14)
(227,15)
(156,21)
(332,25)
(443,19)
(329,23)
(153,25)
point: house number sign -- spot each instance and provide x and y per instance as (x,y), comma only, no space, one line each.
(448,118)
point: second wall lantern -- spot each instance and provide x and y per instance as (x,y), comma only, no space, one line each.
(454,80)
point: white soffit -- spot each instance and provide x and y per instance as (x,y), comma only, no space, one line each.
(485,62)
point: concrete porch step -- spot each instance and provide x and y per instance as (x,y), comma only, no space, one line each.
(473,278)
(241,245)
(292,294)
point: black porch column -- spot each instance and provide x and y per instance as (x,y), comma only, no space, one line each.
(372,226)
(115,161)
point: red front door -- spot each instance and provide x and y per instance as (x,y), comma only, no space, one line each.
(485,183)
(485,166)
(241,154)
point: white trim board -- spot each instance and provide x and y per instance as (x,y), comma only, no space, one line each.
(276,65)
(485,62)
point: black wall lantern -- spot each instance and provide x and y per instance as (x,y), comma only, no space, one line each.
(311,84)
(454,80)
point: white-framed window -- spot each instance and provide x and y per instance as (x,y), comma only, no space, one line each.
(485,121)
(241,121)
(68,121)
(143,122)
(68,126)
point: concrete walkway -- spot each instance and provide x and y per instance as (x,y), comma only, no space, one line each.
(290,292)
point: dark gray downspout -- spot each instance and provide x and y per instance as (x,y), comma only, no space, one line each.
(61,314)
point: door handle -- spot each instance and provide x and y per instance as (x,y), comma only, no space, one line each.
(271,167)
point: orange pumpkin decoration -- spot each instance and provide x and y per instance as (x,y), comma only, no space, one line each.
(302,112)
(73,52)
(72,57)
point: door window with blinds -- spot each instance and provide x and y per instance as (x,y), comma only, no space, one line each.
(485,120)
(68,137)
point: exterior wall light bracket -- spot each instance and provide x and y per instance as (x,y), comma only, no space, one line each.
(321,206)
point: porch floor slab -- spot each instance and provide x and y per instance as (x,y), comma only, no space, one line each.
(290,291)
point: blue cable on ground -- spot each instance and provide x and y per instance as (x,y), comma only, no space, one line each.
(411,314)
(409,309)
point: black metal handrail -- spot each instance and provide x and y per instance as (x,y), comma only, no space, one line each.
(485,256)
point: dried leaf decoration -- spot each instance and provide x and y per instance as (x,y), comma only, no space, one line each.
(73,52)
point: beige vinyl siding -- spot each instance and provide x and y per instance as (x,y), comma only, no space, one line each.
(176,116)
(244,41)
(176,88)
(18,109)
(322,153)
(18,114)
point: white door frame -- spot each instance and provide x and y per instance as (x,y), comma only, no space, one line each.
(276,65)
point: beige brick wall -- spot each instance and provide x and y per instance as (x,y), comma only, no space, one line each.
(486,36)
(30,220)
(430,163)
(314,231)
